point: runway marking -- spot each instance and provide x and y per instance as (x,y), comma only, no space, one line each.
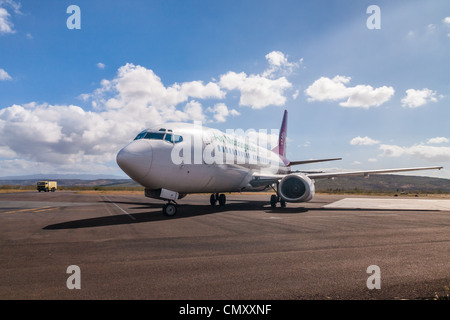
(30,209)
(129,215)
(276,218)
(46,209)
(389,204)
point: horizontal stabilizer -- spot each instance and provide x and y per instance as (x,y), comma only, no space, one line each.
(294,163)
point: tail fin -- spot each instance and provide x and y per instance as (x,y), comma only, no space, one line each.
(281,148)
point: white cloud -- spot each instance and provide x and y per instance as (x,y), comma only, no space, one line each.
(438,140)
(101,65)
(365,141)
(430,153)
(6,152)
(58,134)
(365,96)
(6,26)
(446,20)
(261,90)
(13,4)
(431,28)
(256,91)
(279,64)
(35,136)
(137,88)
(193,110)
(328,89)
(4,75)
(67,136)
(221,112)
(416,98)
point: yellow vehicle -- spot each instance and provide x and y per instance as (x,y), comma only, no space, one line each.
(47,186)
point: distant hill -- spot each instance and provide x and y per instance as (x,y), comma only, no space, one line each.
(73,182)
(375,183)
(52,176)
(384,183)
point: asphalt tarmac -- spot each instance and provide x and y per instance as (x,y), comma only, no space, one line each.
(125,248)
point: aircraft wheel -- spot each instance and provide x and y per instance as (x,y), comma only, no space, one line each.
(212,199)
(222,199)
(273,201)
(170,209)
(282,203)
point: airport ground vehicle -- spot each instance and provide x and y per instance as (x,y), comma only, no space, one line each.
(47,186)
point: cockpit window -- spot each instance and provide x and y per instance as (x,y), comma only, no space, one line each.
(159,135)
(150,135)
(140,135)
(177,138)
(173,138)
(154,135)
(168,137)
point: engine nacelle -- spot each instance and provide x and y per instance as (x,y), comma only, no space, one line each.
(296,188)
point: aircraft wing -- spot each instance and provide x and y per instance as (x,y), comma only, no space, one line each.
(261,179)
(367,172)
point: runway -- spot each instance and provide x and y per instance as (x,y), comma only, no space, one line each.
(126,248)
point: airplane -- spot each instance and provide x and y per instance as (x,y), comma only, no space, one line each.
(173,160)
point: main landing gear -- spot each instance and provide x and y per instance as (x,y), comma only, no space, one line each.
(218,197)
(275,198)
(170,209)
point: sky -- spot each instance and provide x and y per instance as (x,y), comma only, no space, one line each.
(367,81)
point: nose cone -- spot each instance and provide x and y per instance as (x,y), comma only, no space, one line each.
(135,159)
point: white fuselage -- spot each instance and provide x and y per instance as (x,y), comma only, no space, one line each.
(202,160)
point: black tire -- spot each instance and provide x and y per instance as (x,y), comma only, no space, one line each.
(283,203)
(273,201)
(222,199)
(212,199)
(170,210)
(53,189)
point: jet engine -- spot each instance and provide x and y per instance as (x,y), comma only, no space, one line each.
(296,188)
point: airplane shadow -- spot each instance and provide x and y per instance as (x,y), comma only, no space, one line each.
(188,211)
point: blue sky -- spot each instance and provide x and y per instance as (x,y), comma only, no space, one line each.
(378,98)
